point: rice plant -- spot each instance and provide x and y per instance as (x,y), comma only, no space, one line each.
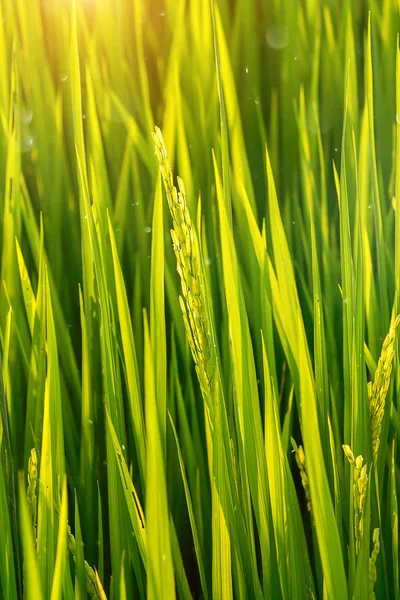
(199,299)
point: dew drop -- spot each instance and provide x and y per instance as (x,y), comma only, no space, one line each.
(27,142)
(26,115)
(277,37)
(147,229)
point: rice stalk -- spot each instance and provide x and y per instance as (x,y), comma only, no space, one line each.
(93,583)
(31,490)
(378,389)
(189,268)
(301,463)
(360,483)
(372,564)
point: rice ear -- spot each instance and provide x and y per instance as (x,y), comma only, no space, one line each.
(189,267)
(377,391)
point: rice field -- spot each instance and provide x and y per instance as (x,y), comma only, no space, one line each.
(199,299)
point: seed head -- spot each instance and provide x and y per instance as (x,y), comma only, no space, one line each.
(360,485)
(378,389)
(187,254)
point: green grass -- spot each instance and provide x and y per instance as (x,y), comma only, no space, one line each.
(189,415)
